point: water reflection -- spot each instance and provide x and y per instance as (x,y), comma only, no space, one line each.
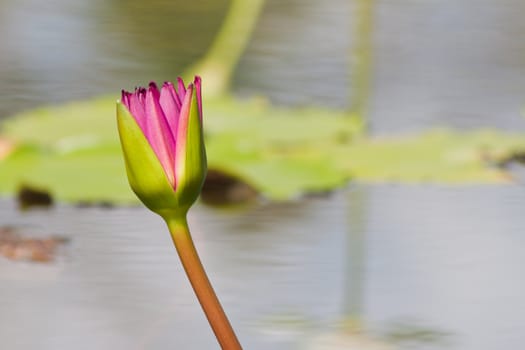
(439,267)
(470,74)
(445,63)
(61,50)
(355,255)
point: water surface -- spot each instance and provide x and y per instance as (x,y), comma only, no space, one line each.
(438,267)
(436,63)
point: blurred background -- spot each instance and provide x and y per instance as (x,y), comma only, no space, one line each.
(456,63)
(368,267)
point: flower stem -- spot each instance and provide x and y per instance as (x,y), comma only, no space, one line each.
(211,306)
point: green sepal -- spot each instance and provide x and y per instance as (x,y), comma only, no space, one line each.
(189,184)
(146,175)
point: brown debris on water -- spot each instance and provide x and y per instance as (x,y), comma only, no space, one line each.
(29,196)
(221,188)
(16,247)
(516,157)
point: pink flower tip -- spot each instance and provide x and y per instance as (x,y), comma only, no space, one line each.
(160,114)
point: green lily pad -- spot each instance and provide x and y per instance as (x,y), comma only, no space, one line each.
(73,150)
(88,175)
(438,156)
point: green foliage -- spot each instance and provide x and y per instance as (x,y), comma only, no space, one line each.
(73,150)
(85,175)
(438,156)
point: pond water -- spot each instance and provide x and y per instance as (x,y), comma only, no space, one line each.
(424,267)
(454,63)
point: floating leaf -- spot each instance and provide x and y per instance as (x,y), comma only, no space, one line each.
(73,150)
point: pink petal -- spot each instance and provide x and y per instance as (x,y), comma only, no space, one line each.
(182,134)
(181,89)
(125,98)
(169,101)
(158,132)
(136,108)
(141,95)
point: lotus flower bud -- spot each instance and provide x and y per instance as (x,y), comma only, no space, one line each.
(163,145)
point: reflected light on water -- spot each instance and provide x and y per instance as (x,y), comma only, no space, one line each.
(435,261)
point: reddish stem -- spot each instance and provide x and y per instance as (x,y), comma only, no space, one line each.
(211,306)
